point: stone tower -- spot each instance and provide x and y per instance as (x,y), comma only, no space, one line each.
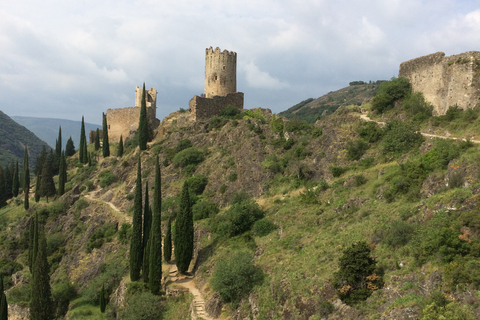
(220,72)
(150,99)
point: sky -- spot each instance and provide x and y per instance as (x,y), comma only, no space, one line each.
(64,59)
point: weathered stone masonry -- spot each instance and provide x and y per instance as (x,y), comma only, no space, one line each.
(445,81)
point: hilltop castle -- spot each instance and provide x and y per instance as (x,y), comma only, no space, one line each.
(445,81)
(220,85)
(125,121)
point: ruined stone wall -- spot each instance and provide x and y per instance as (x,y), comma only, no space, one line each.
(204,108)
(150,98)
(125,121)
(220,72)
(445,81)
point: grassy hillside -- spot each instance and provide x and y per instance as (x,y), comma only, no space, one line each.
(278,202)
(13,139)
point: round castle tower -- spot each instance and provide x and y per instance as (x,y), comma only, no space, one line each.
(220,72)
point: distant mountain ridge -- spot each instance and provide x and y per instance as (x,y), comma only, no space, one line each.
(14,138)
(47,129)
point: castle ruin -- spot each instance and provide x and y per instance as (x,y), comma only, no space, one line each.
(445,81)
(220,85)
(123,122)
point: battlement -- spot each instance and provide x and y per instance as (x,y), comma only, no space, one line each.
(217,51)
(220,72)
(445,81)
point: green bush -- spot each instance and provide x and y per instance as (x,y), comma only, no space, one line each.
(399,234)
(273,164)
(238,219)
(106,178)
(62,293)
(232,177)
(276,124)
(452,311)
(297,125)
(103,234)
(338,171)
(9,267)
(197,184)
(417,107)
(183,144)
(125,233)
(359,180)
(464,271)
(400,137)
(217,122)
(229,111)
(204,209)
(389,92)
(356,149)
(143,306)
(235,277)
(189,156)
(263,227)
(370,131)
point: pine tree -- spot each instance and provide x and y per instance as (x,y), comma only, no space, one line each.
(62,175)
(105,144)
(70,148)
(3,301)
(103,300)
(3,192)
(184,232)
(120,147)
(26,180)
(136,248)
(143,123)
(41,158)
(41,299)
(82,156)
(155,275)
(167,242)
(8,176)
(37,188)
(147,223)
(47,185)
(58,145)
(16,181)
(97,140)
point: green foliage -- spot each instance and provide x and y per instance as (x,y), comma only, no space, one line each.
(120,147)
(143,306)
(125,233)
(187,157)
(41,306)
(399,234)
(452,311)
(155,242)
(103,302)
(105,142)
(167,242)
(337,171)
(400,137)
(297,125)
(229,111)
(357,276)
(97,140)
(263,227)
(143,123)
(273,164)
(356,149)
(183,239)
(238,219)
(389,92)
(216,123)
(70,148)
(276,124)
(235,277)
(62,293)
(136,247)
(183,144)
(370,131)
(9,267)
(197,184)
(417,107)
(101,235)
(83,144)
(204,209)
(106,178)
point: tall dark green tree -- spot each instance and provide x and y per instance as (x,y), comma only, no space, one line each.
(183,239)
(103,300)
(155,275)
(147,223)
(41,158)
(62,174)
(41,306)
(3,191)
(105,144)
(167,242)
(143,123)
(47,185)
(3,301)
(33,241)
(37,188)
(136,247)
(8,175)
(70,148)
(120,147)
(26,180)
(82,156)
(97,140)
(16,181)
(58,144)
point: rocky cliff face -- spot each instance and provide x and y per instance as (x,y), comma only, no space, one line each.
(445,81)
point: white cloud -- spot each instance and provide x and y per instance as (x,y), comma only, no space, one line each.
(260,79)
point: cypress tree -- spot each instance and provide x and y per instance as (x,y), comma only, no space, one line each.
(147,223)
(70,148)
(37,188)
(41,299)
(26,180)
(155,275)
(16,181)
(62,174)
(8,176)
(120,147)
(97,140)
(105,144)
(136,248)
(143,123)
(167,242)
(32,244)
(47,185)
(82,156)
(3,301)
(58,145)
(3,193)
(184,232)
(103,300)
(41,158)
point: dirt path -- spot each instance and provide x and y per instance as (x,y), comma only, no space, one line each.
(91,196)
(363,116)
(188,283)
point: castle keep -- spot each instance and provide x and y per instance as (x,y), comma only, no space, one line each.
(125,121)
(445,81)
(220,85)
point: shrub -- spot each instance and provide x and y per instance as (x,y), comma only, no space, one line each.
(104,233)
(232,177)
(400,137)
(337,171)
(297,125)
(452,311)
(389,92)
(183,144)
(399,234)
(370,131)
(263,227)
(106,178)
(235,277)
(62,294)
(197,184)
(416,106)
(217,122)
(143,306)
(9,267)
(272,164)
(359,180)
(187,157)
(204,209)
(356,149)
(238,219)
(125,233)
(229,111)
(276,124)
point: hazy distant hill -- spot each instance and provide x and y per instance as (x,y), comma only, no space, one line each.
(356,93)
(47,129)
(13,138)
